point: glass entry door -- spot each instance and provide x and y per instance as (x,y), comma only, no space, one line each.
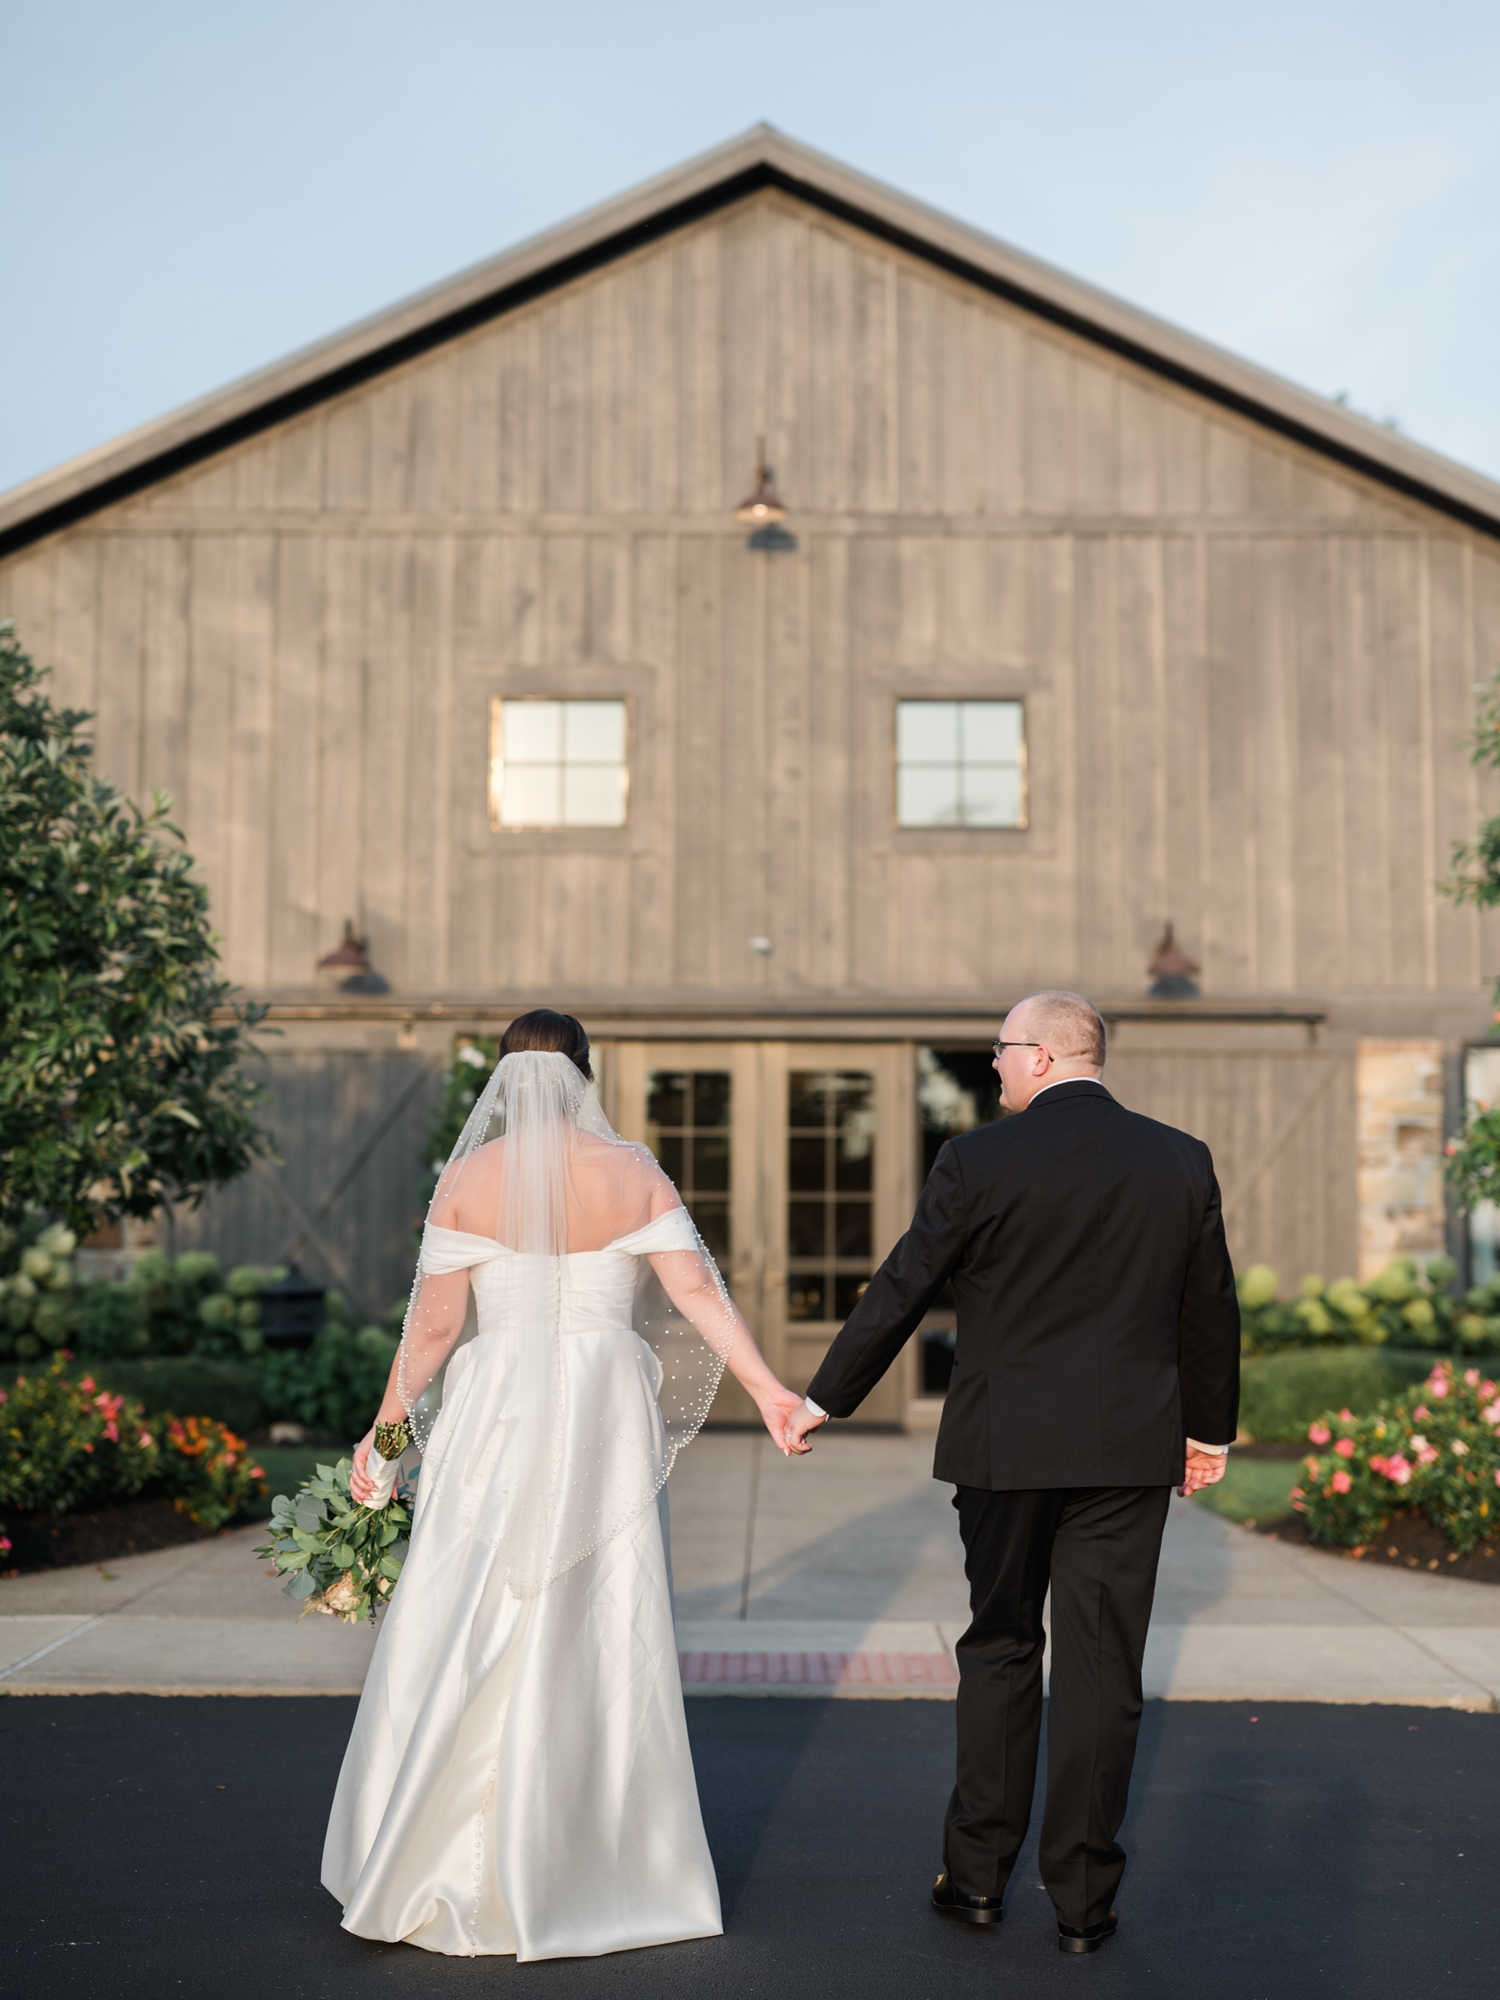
(797,1162)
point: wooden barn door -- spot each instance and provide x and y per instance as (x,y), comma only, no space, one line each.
(344,1197)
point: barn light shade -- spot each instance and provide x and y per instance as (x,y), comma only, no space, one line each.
(762,509)
(351,955)
(349,963)
(1173,975)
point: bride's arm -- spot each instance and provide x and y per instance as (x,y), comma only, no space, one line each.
(693,1288)
(433,1324)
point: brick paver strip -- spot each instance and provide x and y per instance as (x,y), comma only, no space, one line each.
(700,1669)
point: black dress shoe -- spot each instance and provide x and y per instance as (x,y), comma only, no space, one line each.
(968,1909)
(1090,1940)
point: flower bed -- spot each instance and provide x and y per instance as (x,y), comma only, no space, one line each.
(68,1446)
(1437,1454)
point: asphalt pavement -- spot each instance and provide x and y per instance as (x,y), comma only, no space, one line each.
(161,1846)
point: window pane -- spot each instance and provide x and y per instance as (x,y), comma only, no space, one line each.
(593,795)
(530,795)
(666,1097)
(711,1161)
(927,796)
(926,732)
(992,795)
(806,1293)
(807,1165)
(806,1097)
(533,731)
(991,732)
(853,1235)
(594,732)
(711,1090)
(849,1288)
(669,1151)
(712,1218)
(806,1228)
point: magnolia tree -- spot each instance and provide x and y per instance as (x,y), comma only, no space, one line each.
(120,1078)
(1474,1156)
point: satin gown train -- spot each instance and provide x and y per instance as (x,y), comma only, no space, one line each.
(519,1778)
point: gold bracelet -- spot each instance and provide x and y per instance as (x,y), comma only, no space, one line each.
(392,1439)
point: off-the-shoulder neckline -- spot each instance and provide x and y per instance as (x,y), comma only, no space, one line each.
(493,1243)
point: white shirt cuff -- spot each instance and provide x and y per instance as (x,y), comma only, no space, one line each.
(1214,1450)
(813,1407)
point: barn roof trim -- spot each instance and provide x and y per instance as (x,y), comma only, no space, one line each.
(760,158)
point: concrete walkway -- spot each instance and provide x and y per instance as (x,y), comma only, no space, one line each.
(838,1574)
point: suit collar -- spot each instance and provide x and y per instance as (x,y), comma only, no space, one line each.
(1072,1086)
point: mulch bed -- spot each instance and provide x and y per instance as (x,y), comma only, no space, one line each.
(1408,1541)
(62,1541)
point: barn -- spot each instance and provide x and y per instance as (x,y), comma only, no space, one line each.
(783,625)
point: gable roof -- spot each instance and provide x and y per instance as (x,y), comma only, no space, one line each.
(760,158)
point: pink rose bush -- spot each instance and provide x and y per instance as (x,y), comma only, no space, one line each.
(66,1445)
(1448,1469)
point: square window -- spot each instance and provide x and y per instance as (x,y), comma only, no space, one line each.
(961,763)
(558,763)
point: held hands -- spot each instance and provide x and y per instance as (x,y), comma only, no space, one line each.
(1204,1468)
(788,1419)
(799,1423)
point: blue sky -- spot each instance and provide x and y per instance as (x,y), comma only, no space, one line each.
(188,191)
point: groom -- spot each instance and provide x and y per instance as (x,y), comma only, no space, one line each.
(1097,1367)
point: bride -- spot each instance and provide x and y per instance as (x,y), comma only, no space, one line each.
(519,1778)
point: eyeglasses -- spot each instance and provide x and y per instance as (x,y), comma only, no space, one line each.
(1022,1045)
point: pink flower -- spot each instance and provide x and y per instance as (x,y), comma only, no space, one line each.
(111,1431)
(1312,1467)
(1345,1447)
(3,1397)
(1318,1433)
(4,1545)
(87,1385)
(1421,1411)
(1341,1482)
(1491,1412)
(146,1439)
(1437,1387)
(1398,1471)
(1460,1449)
(1471,1376)
(1346,1416)
(1486,1389)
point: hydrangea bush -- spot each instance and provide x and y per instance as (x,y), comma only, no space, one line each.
(1437,1454)
(1402,1307)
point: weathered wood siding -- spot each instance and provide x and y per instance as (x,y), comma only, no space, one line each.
(1247,671)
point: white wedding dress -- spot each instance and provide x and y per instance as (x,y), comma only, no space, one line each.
(519,1778)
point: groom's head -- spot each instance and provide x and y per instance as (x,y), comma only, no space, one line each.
(1045,1038)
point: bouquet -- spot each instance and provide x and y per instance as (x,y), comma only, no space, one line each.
(340,1557)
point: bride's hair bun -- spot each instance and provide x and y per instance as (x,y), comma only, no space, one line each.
(554,1034)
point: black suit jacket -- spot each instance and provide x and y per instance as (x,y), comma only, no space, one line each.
(1097,1320)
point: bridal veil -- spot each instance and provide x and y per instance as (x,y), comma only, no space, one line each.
(539,1177)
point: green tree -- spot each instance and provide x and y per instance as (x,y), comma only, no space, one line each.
(120,1079)
(1473,1165)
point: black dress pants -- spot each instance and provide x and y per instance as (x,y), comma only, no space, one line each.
(1098,1547)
